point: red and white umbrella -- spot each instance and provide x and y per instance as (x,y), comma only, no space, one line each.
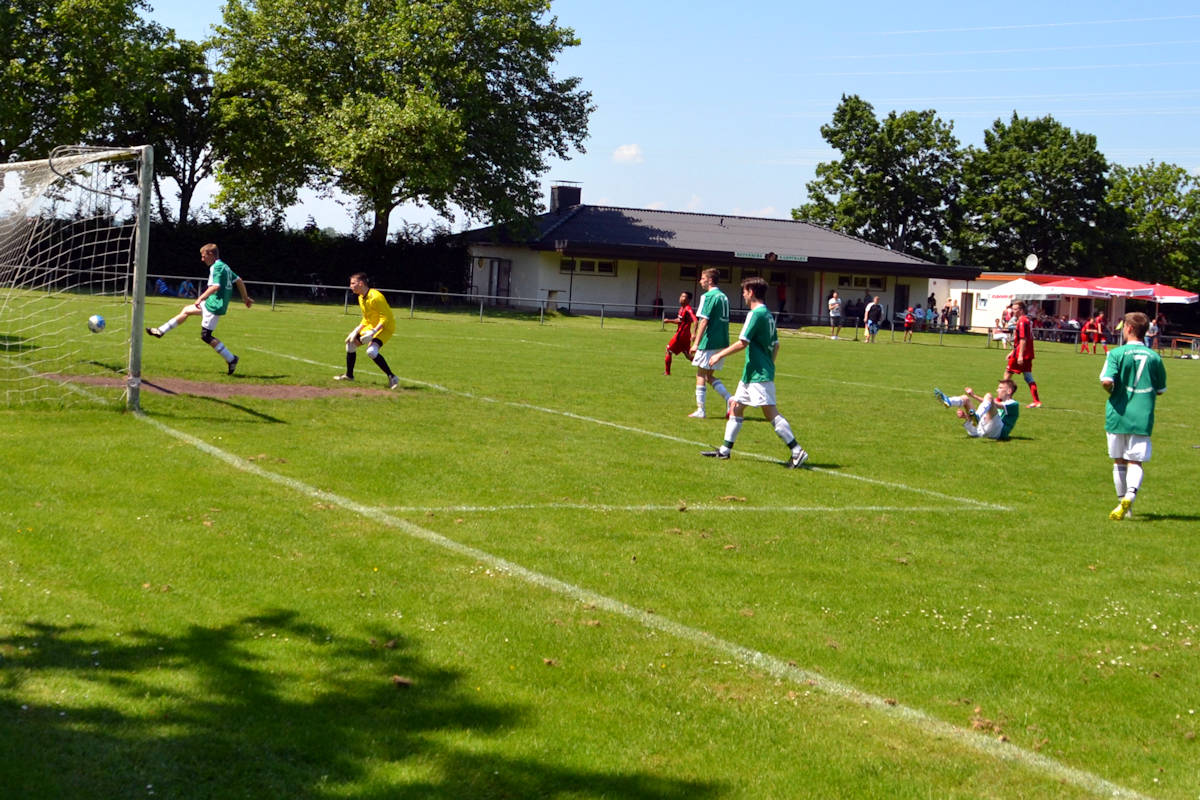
(1075,287)
(1117,286)
(1169,294)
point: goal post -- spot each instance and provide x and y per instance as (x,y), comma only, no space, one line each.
(74,242)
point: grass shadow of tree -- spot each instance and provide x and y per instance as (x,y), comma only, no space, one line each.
(207,715)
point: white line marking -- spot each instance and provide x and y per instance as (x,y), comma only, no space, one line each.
(698,508)
(776,667)
(641,431)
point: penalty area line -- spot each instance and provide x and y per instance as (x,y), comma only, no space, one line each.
(967,501)
(772,665)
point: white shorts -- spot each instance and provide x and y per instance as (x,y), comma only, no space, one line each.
(1129,446)
(703,360)
(755,395)
(208,320)
(986,429)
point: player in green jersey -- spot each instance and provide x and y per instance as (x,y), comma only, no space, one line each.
(1134,377)
(757,387)
(712,334)
(211,305)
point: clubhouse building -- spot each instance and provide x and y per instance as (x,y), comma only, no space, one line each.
(634,262)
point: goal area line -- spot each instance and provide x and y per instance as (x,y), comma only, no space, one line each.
(964,502)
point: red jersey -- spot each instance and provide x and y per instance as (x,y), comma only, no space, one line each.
(1021,358)
(909,319)
(682,340)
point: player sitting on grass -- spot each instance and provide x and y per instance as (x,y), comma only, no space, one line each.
(995,416)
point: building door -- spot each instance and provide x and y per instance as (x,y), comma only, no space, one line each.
(901,295)
(502,269)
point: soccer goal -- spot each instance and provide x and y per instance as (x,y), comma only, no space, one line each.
(73,245)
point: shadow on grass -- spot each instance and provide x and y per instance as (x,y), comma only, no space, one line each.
(207,714)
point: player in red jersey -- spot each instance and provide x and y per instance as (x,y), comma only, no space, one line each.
(1086,333)
(1100,335)
(681,342)
(910,319)
(1021,358)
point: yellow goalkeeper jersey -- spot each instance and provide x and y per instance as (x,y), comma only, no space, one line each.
(376,310)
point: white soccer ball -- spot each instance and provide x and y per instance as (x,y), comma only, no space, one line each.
(95,323)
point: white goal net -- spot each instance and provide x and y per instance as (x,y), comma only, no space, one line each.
(73,237)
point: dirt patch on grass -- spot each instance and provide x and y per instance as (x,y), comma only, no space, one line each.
(231,388)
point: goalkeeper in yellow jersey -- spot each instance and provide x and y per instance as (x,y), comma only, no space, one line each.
(373,331)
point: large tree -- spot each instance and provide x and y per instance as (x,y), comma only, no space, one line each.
(1161,205)
(390,101)
(895,183)
(169,106)
(64,64)
(1037,187)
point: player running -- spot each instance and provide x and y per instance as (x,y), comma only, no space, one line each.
(681,342)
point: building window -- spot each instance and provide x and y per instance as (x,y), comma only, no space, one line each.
(587,265)
(876,283)
(566,265)
(689,272)
(844,281)
(778,277)
(606,267)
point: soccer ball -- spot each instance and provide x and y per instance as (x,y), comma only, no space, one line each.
(95,323)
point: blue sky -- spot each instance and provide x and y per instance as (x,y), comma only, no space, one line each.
(701,106)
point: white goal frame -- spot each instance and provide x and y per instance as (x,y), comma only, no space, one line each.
(50,249)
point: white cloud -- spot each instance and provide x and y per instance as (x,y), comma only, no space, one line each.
(694,203)
(628,154)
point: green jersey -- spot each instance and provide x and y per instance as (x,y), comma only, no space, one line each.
(714,307)
(1008,411)
(222,276)
(758,332)
(1138,377)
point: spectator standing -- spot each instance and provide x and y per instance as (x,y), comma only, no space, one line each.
(871,319)
(835,314)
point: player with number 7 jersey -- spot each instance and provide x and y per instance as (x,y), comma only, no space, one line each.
(1134,377)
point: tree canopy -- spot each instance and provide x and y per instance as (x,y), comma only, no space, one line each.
(64,64)
(1161,208)
(1036,187)
(895,184)
(392,101)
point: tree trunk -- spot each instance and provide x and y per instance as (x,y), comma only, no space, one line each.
(379,231)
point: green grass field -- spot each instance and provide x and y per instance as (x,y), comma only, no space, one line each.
(515,577)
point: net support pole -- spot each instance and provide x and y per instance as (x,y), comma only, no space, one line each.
(141,257)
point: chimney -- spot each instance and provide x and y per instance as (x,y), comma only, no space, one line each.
(563,195)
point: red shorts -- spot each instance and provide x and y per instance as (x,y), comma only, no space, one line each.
(679,344)
(1015,366)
